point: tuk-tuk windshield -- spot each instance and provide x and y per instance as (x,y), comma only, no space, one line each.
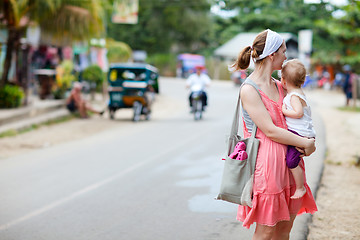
(118,74)
(128,74)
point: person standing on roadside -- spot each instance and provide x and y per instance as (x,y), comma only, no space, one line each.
(273,210)
(347,86)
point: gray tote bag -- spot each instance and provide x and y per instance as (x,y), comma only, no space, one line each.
(238,175)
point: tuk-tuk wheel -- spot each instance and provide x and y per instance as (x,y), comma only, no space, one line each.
(137,107)
(112,114)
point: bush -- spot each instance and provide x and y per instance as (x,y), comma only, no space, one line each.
(64,79)
(221,66)
(93,74)
(11,96)
(166,63)
(65,75)
(117,51)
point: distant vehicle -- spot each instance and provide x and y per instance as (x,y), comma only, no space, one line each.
(132,85)
(309,83)
(187,63)
(238,77)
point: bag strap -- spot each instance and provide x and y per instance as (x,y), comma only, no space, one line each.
(235,124)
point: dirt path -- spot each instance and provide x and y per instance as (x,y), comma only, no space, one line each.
(339,193)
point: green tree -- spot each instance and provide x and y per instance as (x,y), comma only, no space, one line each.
(62,20)
(166,24)
(344,33)
(279,15)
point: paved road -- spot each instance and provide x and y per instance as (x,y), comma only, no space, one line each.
(149,180)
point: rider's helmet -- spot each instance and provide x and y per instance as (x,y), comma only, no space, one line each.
(199,68)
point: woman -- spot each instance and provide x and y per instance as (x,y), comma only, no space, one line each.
(273,210)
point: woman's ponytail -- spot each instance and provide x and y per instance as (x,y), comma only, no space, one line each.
(243,60)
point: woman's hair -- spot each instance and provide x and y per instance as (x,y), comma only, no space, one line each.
(254,51)
(294,72)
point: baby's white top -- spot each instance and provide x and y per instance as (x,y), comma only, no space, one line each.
(304,125)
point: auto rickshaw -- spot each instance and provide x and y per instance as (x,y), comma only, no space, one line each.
(132,85)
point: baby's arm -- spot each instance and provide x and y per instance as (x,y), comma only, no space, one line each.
(296,104)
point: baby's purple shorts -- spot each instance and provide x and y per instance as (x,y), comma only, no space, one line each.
(292,155)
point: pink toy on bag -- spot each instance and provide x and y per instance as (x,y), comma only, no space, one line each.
(239,152)
(240,146)
(242,155)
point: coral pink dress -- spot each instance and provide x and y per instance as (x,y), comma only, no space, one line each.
(273,182)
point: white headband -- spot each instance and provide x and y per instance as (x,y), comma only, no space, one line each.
(272,44)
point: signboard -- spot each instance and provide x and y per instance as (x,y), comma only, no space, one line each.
(305,40)
(125,11)
(305,47)
(33,35)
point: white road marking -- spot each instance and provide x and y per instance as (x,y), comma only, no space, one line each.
(93,186)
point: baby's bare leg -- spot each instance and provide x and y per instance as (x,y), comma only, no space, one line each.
(299,181)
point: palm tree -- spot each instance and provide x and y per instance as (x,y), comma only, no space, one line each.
(62,21)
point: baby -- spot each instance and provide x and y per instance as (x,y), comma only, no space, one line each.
(298,117)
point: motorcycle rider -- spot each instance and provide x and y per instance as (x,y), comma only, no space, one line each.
(198,81)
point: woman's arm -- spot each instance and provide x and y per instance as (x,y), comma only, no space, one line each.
(252,103)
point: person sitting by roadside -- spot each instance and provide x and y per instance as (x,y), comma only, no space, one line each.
(75,102)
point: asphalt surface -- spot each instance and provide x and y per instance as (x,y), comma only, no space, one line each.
(149,180)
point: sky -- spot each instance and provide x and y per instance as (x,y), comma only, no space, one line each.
(339,13)
(335,2)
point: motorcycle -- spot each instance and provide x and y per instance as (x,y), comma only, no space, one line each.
(197,104)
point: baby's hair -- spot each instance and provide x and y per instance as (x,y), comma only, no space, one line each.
(294,72)
(254,51)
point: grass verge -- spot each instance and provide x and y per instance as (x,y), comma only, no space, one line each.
(349,109)
(14,132)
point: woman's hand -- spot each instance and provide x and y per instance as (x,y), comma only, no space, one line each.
(302,151)
(309,149)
